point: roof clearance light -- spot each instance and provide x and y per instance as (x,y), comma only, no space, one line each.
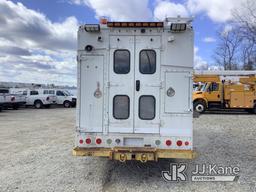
(178,27)
(135,24)
(92,27)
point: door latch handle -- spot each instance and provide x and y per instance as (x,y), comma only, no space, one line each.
(137,85)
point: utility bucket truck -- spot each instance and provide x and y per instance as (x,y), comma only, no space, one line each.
(226,90)
(135,90)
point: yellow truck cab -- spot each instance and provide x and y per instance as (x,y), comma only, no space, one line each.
(209,93)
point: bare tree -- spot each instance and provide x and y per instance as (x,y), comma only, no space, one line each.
(237,46)
(227,48)
(245,22)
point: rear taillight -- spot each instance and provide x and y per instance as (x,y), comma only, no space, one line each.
(12,98)
(186,143)
(88,141)
(168,142)
(179,143)
(98,141)
(81,141)
(48,98)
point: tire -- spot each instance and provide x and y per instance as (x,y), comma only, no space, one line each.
(15,107)
(47,106)
(199,106)
(67,104)
(38,104)
(254,109)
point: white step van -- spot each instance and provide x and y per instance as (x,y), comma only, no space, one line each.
(134,90)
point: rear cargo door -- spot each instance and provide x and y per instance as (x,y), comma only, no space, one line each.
(121,84)
(147,84)
(91,103)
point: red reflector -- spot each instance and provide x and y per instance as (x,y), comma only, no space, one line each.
(168,142)
(81,141)
(88,141)
(179,142)
(98,141)
(186,143)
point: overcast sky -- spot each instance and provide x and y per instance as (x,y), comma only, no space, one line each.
(38,37)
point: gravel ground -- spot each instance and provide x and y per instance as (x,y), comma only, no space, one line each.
(35,155)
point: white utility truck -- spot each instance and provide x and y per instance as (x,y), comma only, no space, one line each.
(135,90)
(11,100)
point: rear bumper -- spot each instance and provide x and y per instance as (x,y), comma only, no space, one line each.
(135,153)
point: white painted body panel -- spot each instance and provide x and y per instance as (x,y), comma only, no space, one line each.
(174,68)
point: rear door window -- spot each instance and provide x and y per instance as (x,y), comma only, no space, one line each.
(147,63)
(121,107)
(147,107)
(122,61)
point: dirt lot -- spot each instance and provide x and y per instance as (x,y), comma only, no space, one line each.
(35,155)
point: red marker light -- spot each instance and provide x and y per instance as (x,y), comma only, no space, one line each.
(168,142)
(81,141)
(186,143)
(179,143)
(98,141)
(88,141)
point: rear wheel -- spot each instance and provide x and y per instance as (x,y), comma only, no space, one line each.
(15,107)
(199,106)
(38,104)
(254,109)
(47,106)
(67,104)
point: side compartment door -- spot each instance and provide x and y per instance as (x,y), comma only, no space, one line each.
(91,102)
(121,84)
(177,92)
(147,84)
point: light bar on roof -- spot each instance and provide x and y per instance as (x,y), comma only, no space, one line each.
(136,24)
(92,27)
(178,27)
